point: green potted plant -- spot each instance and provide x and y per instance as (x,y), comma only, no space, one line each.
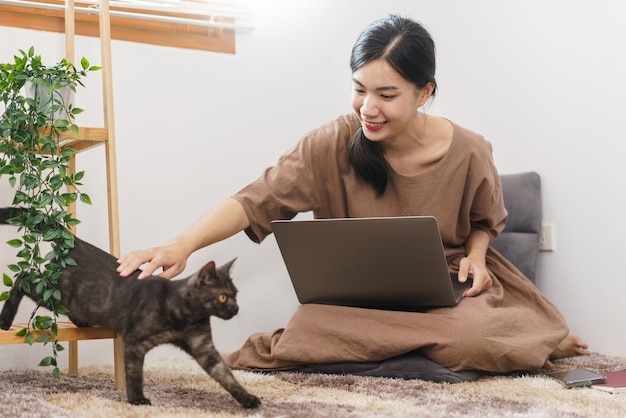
(37,110)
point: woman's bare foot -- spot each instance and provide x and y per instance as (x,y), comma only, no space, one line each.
(571,345)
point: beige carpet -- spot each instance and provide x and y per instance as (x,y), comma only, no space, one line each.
(179,388)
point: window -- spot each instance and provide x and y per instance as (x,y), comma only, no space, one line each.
(196,24)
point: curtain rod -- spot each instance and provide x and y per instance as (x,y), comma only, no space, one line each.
(142,16)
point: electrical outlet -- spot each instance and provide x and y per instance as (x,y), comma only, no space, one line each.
(547,240)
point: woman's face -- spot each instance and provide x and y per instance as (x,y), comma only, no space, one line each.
(385,102)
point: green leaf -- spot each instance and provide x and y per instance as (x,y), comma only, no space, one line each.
(61,123)
(15,243)
(46,361)
(69,152)
(72,222)
(56,182)
(70,198)
(23,265)
(30,338)
(19,198)
(4,296)
(7,280)
(25,287)
(49,164)
(56,373)
(25,253)
(85,199)
(31,182)
(70,261)
(43,322)
(51,235)
(21,332)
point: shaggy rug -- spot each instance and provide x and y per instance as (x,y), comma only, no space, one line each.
(179,388)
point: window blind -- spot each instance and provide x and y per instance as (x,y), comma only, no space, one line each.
(227,14)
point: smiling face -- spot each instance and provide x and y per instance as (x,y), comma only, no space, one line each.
(385,102)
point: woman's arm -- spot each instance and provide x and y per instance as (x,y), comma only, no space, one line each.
(474,263)
(223,221)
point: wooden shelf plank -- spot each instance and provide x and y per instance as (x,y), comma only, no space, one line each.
(85,139)
(67,332)
(88,134)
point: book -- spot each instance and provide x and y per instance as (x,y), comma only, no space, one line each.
(615,382)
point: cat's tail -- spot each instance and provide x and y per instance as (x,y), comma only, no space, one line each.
(11,305)
(8,213)
(9,309)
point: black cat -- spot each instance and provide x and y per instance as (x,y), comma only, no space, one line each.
(147,312)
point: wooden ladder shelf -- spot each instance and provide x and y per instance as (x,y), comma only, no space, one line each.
(89,137)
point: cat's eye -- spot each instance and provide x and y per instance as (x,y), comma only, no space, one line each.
(222,298)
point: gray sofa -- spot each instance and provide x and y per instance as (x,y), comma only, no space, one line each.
(519,242)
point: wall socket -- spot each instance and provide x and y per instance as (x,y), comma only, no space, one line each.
(547,240)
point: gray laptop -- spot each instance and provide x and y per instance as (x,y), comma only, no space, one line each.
(386,263)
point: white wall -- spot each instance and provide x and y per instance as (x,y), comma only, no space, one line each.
(543,80)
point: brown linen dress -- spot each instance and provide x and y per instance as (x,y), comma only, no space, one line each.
(511,326)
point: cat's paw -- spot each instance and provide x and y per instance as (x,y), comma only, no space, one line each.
(250,401)
(140,401)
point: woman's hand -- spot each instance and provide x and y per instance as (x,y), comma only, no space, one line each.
(223,221)
(475,268)
(171,257)
(474,264)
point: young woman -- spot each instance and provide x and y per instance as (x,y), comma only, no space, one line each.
(389,158)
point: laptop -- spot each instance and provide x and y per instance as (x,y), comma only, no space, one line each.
(386,263)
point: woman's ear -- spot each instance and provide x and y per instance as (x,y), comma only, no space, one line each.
(426,93)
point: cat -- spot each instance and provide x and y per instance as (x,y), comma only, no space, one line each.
(147,312)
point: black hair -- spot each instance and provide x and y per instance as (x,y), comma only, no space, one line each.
(410,50)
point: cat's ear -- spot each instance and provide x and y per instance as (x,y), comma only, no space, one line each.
(207,273)
(226,267)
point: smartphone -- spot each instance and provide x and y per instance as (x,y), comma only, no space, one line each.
(578,377)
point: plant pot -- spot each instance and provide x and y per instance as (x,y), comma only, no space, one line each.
(61,97)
